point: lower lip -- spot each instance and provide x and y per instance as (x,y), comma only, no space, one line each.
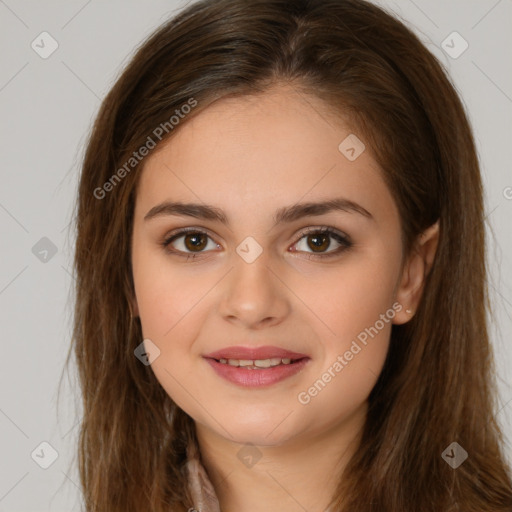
(257,378)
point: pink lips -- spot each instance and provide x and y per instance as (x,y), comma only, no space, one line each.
(260,377)
(266,352)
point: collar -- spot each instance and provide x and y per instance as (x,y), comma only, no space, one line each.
(199,484)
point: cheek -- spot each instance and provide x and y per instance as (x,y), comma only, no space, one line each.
(171,305)
(360,315)
(354,310)
(166,295)
(351,297)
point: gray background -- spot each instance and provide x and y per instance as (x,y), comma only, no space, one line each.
(46,110)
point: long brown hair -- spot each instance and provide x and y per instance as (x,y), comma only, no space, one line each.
(437,384)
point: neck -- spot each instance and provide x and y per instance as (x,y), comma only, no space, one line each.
(300,473)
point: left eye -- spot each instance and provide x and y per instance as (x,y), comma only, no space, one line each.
(319,241)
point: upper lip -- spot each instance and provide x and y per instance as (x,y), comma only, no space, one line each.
(254,353)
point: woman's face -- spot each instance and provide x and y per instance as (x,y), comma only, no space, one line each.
(266,277)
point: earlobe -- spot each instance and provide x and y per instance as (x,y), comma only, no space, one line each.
(415,272)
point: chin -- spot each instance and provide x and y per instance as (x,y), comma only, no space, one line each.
(259,433)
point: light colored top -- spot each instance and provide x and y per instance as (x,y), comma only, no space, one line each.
(199,484)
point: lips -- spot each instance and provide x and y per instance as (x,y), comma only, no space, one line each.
(256,353)
(247,377)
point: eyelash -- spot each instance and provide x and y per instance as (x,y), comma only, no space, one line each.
(341,238)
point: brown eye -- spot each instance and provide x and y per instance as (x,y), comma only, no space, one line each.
(189,242)
(195,241)
(318,241)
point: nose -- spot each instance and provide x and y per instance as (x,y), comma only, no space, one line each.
(253,295)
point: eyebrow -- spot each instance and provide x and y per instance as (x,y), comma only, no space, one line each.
(282,215)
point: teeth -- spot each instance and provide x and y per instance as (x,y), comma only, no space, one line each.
(257,363)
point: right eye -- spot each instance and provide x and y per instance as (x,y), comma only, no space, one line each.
(189,242)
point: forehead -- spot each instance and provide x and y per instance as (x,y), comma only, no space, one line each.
(259,152)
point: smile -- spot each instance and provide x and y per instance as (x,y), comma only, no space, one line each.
(256,363)
(257,372)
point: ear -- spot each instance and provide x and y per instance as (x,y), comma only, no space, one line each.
(415,272)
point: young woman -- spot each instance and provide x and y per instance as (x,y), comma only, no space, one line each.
(281,284)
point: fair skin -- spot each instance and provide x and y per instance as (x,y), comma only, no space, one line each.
(249,157)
